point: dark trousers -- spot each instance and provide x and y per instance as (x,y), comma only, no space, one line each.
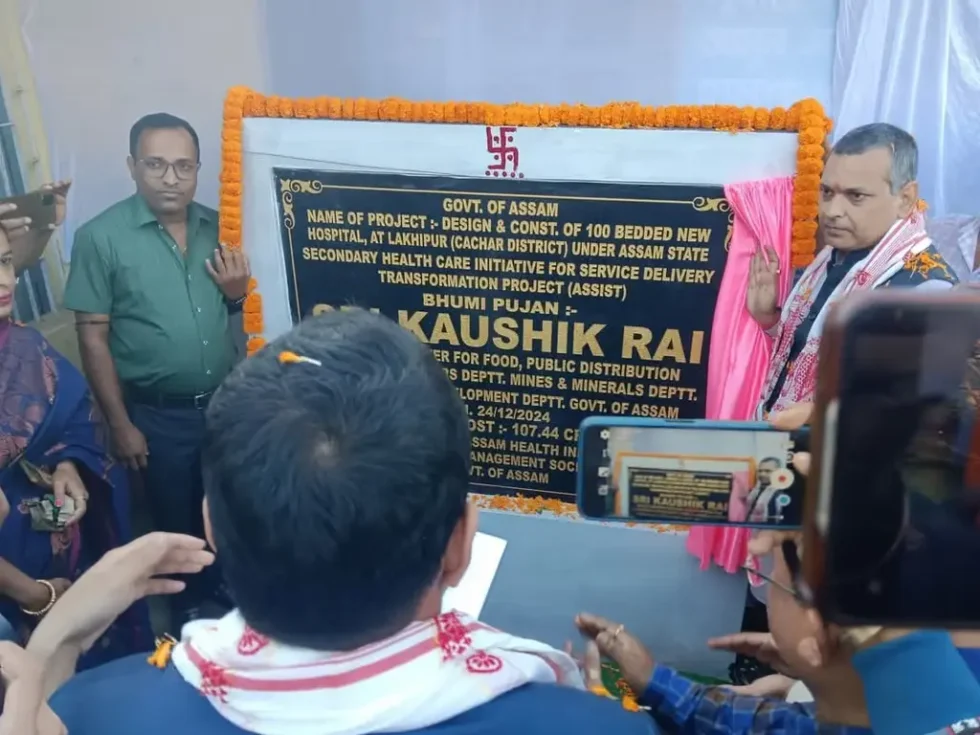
(173,484)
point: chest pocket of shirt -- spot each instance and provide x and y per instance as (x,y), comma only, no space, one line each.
(145,285)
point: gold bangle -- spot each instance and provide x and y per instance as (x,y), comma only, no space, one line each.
(54,598)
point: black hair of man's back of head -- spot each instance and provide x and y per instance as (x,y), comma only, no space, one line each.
(333,489)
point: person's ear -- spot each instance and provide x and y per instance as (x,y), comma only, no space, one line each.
(131,164)
(208,533)
(460,549)
(909,198)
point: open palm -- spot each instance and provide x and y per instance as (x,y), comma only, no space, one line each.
(763,285)
(124,575)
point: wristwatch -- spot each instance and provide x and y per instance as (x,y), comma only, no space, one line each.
(235,306)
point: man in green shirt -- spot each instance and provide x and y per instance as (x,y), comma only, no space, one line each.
(152,290)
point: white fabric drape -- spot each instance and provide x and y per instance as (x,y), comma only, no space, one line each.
(916,64)
(661,52)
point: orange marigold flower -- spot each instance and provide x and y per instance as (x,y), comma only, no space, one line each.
(806,116)
(807,182)
(804,229)
(809,166)
(252,304)
(252,323)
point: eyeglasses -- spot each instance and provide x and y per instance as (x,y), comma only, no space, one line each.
(798,589)
(156,168)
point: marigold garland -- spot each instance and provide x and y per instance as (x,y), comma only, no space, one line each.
(806,117)
(526,505)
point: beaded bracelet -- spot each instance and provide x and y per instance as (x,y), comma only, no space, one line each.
(54,598)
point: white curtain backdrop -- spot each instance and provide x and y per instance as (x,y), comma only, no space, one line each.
(659,52)
(916,64)
(745,52)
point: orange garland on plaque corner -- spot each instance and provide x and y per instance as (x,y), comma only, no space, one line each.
(806,117)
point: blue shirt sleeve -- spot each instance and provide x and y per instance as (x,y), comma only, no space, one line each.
(681,705)
(930,678)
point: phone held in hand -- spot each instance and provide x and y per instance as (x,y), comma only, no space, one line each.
(892,521)
(686,472)
(40,206)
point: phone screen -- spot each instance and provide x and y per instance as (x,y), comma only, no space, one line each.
(686,473)
(904,519)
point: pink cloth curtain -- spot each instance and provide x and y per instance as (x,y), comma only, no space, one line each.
(738,503)
(740,351)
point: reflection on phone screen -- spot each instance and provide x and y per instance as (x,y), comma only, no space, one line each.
(674,474)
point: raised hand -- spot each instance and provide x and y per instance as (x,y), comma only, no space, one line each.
(616,643)
(764,288)
(120,578)
(60,191)
(18,227)
(13,227)
(230,272)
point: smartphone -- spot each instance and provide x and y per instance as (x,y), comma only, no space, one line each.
(892,529)
(723,473)
(38,205)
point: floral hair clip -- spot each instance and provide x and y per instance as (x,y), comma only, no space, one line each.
(291,358)
(164,650)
